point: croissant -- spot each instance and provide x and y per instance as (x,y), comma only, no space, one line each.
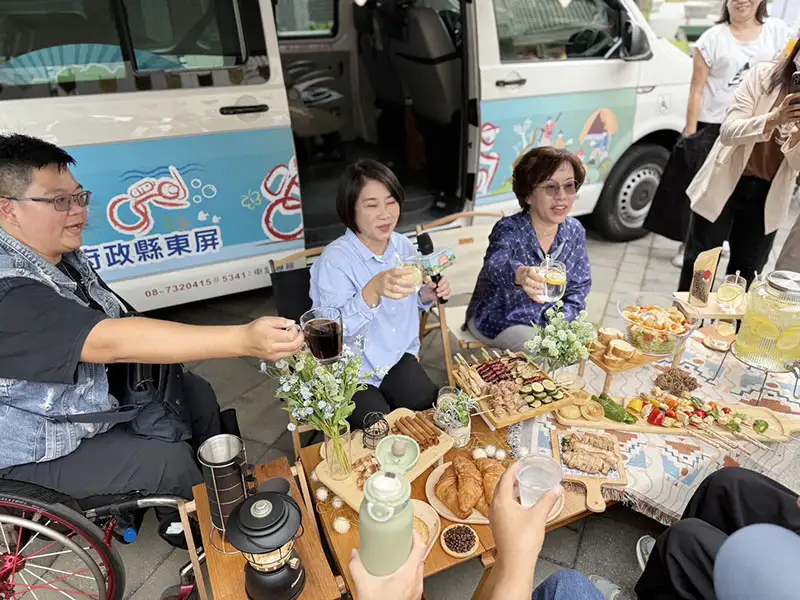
(470,488)
(447,492)
(482,507)
(492,471)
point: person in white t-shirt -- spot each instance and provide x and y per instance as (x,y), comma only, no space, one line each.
(743,37)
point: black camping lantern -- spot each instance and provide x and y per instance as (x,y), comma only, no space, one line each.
(264,529)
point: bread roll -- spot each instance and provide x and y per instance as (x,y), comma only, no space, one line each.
(596,346)
(613,361)
(621,349)
(606,334)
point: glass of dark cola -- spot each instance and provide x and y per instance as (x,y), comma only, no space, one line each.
(322,328)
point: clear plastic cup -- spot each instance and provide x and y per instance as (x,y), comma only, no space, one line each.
(536,474)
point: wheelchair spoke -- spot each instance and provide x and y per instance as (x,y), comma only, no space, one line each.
(50,585)
(22,576)
(5,539)
(30,564)
(36,535)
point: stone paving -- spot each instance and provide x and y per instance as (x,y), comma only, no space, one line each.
(601,544)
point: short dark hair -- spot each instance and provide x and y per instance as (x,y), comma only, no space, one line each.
(354,179)
(761,13)
(20,155)
(538,165)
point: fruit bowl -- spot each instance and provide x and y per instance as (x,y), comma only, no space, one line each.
(657,324)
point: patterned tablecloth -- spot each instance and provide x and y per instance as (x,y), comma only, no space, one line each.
(664,470)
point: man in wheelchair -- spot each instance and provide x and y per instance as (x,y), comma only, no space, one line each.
(61,332)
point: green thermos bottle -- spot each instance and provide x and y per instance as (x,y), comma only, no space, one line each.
(386,516)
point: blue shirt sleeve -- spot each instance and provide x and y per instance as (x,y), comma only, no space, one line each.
(579,281)
(333,284)
(500,266)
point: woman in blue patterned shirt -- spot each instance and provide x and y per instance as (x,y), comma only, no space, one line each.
(358,273)
(507,296)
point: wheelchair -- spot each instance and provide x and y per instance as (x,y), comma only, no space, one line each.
(51,549)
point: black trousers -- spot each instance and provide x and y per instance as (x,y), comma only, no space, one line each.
(117,463)
(406,385)
(742,224)
(682,563)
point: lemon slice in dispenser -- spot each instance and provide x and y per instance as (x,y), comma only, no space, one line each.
(789,340)
(768,331)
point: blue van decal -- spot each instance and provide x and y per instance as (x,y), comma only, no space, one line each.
(597,127)
(189,201)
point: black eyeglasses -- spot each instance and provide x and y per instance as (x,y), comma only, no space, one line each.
(61,203)
(551,188)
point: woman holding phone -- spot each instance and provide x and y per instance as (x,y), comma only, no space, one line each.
(743,37)
(361,274)
(743,190)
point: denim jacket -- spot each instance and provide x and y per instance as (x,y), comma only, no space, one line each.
(26,437)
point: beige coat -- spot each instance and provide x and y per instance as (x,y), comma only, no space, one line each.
(742,129)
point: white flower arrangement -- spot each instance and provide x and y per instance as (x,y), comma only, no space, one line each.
(317,395)
(562,342)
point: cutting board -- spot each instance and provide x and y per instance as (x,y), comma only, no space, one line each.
(348,490)
(780,428)
(593,483)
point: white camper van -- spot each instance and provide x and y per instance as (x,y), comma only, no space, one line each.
(212,132)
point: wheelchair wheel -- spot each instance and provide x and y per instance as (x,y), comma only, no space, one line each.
(50,551)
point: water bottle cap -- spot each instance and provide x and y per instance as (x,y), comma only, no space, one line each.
(387,489)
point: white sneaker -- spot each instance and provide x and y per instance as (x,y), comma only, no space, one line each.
(677,260)
(644,548)
(726,250)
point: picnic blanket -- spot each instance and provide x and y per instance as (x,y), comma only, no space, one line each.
(665,470)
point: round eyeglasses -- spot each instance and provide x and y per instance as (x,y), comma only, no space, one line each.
(62,202)
(551,188)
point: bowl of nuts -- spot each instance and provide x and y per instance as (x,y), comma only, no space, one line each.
(459,541)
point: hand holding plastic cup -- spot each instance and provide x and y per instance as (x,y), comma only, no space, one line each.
(536,474)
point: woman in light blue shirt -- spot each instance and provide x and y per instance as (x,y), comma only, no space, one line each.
(358,273)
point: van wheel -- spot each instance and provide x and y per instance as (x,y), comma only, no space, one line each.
(629,191)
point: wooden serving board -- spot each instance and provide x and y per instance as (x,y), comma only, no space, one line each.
(498,423)
(593,484)
(347,489)
(780,428)
(712,310)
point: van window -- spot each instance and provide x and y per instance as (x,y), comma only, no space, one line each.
(192,34)
(306,18)
(556,29)
(98,46)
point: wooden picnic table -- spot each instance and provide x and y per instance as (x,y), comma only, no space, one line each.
(342,545)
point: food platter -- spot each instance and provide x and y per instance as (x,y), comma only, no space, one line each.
(509,388)
(348,489)
(592,482)
(780,428)
(475,518)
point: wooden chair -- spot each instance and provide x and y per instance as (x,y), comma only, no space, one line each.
(469,243)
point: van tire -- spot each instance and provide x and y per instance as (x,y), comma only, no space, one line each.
(629,191)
